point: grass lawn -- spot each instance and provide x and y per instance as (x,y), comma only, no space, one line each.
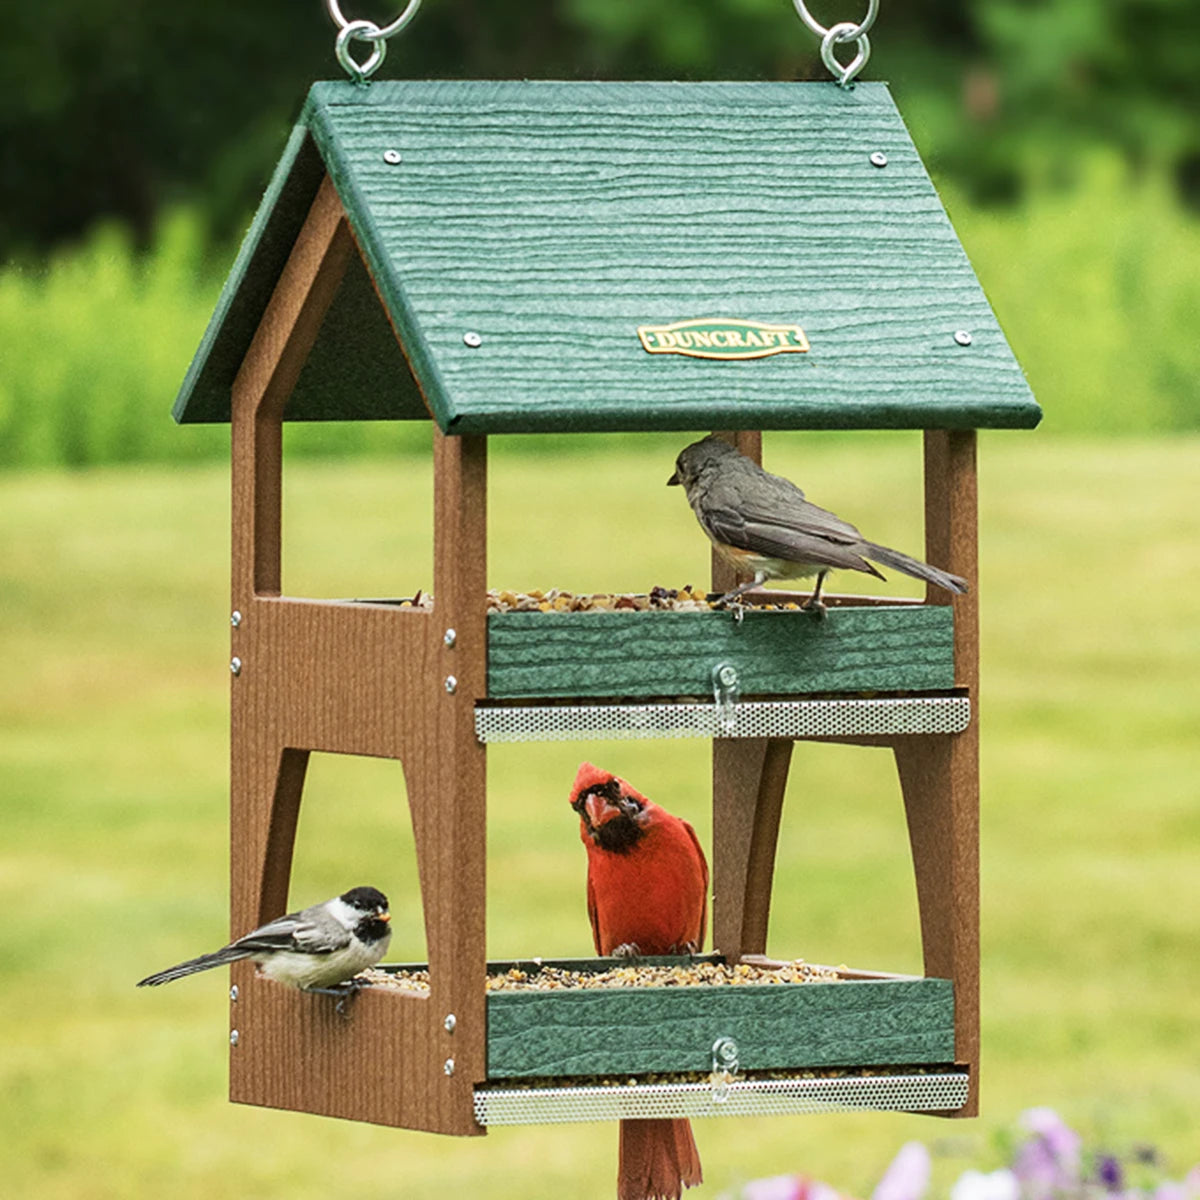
(113,803)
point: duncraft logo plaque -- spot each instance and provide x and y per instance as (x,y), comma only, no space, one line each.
(723,337)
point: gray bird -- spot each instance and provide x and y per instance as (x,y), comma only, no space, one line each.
(323,945)
(762,523)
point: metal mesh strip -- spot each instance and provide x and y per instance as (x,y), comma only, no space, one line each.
(746,1098)
(751,718)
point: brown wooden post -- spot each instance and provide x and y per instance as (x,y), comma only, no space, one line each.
(939,774)
(355,679)
(749,778)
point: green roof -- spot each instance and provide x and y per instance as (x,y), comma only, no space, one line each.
(556,219)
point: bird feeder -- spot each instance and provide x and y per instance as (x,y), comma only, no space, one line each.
(524,257)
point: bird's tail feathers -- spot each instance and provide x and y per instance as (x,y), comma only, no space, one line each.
(657,1160)
(203,963)
(914,567)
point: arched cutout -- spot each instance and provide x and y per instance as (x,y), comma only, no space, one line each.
(537,904)
(844,890)
(355,828)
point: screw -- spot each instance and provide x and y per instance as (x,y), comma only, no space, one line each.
(879,159)
(450,1022)
(235,665)
(727,675)
(450,637)
(448,1066)
(391,157)
(473,340)
(451,684)
(233,993)
(963,337)
(235,618)
(233,1037)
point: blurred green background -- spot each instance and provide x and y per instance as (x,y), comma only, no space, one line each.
(1064,137)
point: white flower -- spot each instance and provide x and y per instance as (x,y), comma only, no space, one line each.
(975,1185)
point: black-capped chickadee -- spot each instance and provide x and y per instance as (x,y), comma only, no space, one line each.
(317,948)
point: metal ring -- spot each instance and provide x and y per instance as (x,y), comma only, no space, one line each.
(360,31)
(859,30)
(335,11)
(839,34)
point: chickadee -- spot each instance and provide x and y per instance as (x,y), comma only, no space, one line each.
(319,947)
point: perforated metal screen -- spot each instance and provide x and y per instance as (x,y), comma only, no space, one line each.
(942,1092)
(752,718)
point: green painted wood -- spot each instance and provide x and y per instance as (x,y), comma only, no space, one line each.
(635,1031)
(555,218)
(643,654)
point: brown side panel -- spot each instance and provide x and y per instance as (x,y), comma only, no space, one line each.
(355,679)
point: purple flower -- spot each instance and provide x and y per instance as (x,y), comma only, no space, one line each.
(1048,1161)
(908,1176)
(1109,1172)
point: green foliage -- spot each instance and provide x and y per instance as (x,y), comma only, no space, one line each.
(95,344)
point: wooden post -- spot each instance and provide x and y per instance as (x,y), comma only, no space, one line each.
(354,679)
(939,774)
(749,778)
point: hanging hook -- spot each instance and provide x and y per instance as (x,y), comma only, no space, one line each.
(365,31)
(838,35)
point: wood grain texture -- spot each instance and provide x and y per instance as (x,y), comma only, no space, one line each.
(749,780)
(632,654)
(639,1030)
(357,679)
(555,218)
(939,775)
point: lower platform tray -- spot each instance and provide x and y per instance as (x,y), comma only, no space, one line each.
(598,1048)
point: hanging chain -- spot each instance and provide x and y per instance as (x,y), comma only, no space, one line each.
(368,32)
(839,35)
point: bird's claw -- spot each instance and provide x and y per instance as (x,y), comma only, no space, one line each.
(627,950)
(816,607)
(344,992)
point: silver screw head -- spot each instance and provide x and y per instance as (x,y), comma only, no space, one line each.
(963,337)
(235,666)
(879,159)
(235,618)
(727,675)
(450,1022)
(451,684)
(448,1066)
(234,1037)
(473,340)
(450,637)
(233,993)
(392,157)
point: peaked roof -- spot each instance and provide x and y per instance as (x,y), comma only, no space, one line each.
(556,219)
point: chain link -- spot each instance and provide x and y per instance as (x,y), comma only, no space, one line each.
(365,31)
(838,35)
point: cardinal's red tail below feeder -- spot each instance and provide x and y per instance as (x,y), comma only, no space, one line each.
(647,891)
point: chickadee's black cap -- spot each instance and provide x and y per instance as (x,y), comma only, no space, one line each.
(368,899)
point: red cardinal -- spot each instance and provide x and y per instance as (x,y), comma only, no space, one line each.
(647,888)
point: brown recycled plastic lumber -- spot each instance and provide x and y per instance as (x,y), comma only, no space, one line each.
(359,679)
